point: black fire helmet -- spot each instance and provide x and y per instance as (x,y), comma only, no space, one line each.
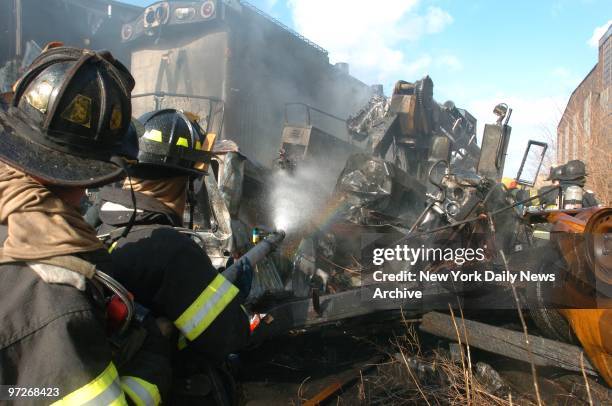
(67,121)
(173,144)
(556,172)
(574,169)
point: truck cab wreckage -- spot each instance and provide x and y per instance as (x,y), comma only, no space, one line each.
(426,184)
(423,183)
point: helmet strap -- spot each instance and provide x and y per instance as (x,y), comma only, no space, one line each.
(191,200)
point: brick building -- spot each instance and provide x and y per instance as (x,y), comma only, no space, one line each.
(585,129)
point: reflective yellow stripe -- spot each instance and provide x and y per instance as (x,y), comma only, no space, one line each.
(182,142)
(104,390)
(141,392)
(118,402)
(205,309)
(112,247)
(153,135)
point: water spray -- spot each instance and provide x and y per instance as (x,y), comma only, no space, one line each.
(298,197)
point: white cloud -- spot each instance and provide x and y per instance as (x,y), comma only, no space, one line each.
(369,35)
(532,119)
(598,32)
(437,19)
(450,62)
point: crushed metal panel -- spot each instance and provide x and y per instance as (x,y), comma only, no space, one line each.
(218,238)
(493,151)
(231,180)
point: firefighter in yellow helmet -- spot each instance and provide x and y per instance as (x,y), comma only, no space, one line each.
(165,269)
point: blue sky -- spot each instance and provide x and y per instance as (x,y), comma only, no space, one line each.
(529,54)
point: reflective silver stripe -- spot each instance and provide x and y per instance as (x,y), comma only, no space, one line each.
(108,396)
(541,234)
(110,206)
(139,390)
(207,308)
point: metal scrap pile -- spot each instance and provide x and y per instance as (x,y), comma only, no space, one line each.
(425,183)
(423,171)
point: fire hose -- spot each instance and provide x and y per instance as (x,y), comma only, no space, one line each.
(255,254)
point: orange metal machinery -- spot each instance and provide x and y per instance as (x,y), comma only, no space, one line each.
(584,239)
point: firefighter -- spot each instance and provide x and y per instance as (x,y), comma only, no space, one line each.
(513,188)
(572,180)
(549,195)
(62,132)
(165,269)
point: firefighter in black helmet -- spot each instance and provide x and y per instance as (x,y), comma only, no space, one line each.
(63,131)
(556,172)
(572,181)
(166,270)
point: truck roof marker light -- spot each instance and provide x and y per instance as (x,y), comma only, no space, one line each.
(208,9)
(126,32)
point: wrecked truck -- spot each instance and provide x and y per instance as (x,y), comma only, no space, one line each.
(424,180)
(427,184)
(452,196)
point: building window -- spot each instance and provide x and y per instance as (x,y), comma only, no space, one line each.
(560,134)
(607,62)
(586,116)
(575,138)
(566,144)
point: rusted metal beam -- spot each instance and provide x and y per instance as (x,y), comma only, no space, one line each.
(342,381)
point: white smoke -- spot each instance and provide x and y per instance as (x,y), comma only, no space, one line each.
(298,197)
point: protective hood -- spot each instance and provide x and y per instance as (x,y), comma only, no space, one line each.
(172,192)
(40,224)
